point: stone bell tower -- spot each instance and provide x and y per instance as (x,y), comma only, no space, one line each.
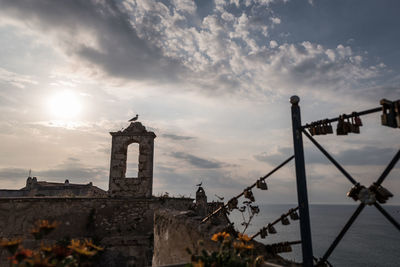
(142,185)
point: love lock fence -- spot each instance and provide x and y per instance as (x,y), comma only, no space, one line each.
(374,195)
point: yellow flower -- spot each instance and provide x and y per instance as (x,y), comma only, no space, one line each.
(46,248)
(220,236)
(83,248)
(200,263)
(11,245)
(244,237)
(75,243)
(84,251)
(46,225)
(8,243)
(89,243)
(242,245)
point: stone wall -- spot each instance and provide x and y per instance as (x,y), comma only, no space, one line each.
(175,231)
(123,226)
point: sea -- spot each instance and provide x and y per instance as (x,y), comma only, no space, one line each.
(371,241)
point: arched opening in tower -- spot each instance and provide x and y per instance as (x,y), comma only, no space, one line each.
(132,163)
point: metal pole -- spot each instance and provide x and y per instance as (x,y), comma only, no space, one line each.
(305,228)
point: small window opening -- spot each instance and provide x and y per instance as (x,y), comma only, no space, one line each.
(132,162)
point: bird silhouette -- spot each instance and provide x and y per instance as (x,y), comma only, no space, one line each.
(199,184)
(220,198)
(134,118)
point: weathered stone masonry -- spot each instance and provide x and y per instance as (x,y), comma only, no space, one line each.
(142,185)
(121,220)
(123,225)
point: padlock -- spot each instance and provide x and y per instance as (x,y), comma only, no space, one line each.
(271,229)
(357,119)
(254,209)
(397,109)
(263,232)
(249,195)
(327,127)
(284,220)
(366,196)
(317,128)
(354,127)
(310,130)
(381,193)
(388,118)
(261,184)
(293,215)
(354,191)
(348,126)
(275,248)
(321,128)
(287,247)
(340,129)
(232,204)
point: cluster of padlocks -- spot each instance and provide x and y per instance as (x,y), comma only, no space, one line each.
(320,127)
(282,247)
(391,113)
(247,193)
(348,124)
(369,195)
(270,229)
(351,123)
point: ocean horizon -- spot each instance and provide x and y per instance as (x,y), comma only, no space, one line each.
(371,241)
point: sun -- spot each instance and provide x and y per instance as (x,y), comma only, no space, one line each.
(65,105)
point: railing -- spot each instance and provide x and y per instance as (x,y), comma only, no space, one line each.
(367,196)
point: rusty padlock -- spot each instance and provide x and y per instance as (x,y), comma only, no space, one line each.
(261,184)
(388,117)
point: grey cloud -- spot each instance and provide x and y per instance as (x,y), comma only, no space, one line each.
(77,173)
(11,173)
(119,50)
(177,137)
(197,162)
(175,181)
(367,155)
(160,41)
(275,158)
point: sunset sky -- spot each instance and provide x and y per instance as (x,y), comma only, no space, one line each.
(212,79)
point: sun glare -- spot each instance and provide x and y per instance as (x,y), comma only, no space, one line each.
(65,105)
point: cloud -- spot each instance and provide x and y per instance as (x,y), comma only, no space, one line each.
(16,79)
(70,169)
(363,156)
(197,161)
(99,33)
(168,41)
(177,137)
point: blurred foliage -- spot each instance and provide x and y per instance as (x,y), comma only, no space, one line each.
(63,253)
(233,251)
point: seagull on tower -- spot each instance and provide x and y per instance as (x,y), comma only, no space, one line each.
(134,118)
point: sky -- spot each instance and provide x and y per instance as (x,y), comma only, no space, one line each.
(212,79)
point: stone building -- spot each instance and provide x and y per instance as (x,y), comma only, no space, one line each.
(142,185)
(35,188)
(121,219)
